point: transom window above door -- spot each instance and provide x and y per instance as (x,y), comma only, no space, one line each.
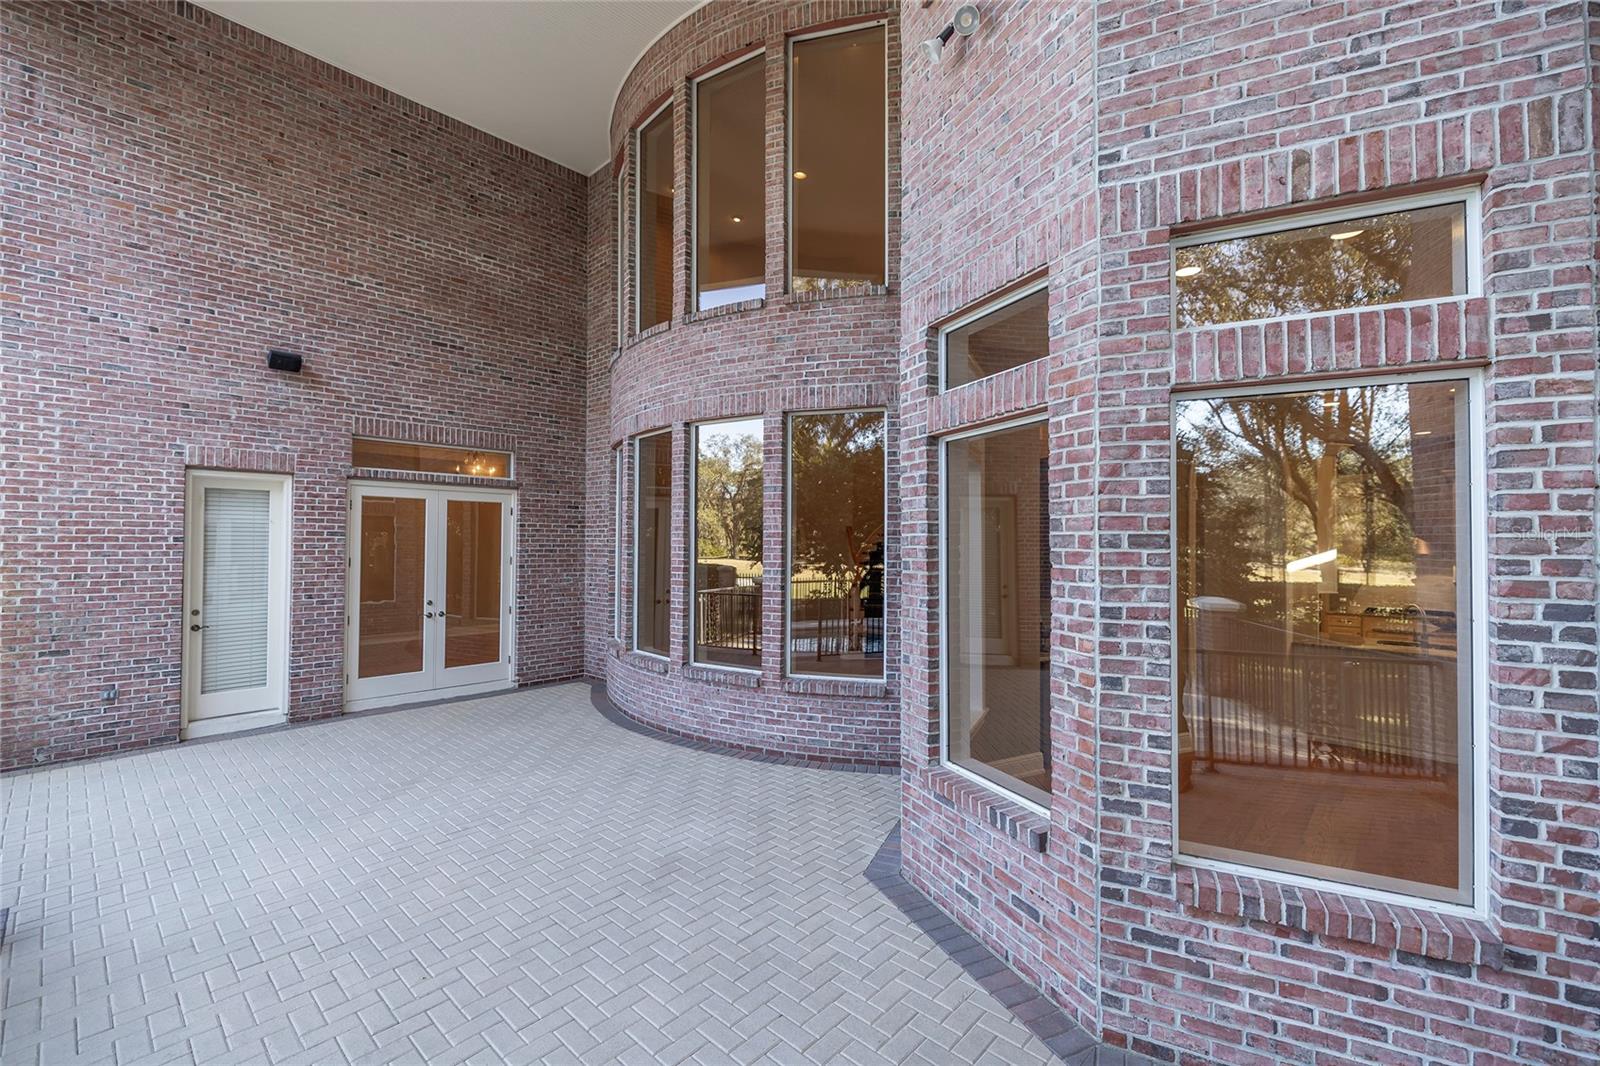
(374,454)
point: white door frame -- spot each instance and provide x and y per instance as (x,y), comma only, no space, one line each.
(245,708)
(434,681)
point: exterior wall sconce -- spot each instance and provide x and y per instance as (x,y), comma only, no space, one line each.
(965,23)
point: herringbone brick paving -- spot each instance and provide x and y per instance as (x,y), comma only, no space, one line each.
(514,878)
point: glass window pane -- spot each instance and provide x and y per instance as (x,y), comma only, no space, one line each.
(472,570)
(428,458)
(727,536)
(997,592)
(622,268)
(1380,259)
(654,257)
(730,182)
(836,544)
(652,546)
(1016,333)
(236,569)
(1323,640)
(393,561)
(618,516)
(837,159)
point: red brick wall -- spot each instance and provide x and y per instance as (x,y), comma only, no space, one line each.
(998,187)
(180,195)
(762,359)
(1205,113)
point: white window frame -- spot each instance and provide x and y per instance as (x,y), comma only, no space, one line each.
(944,608)
(638,213)
(1470,196)
(694,185)
(982,311)
(618,516)
(1476,481)
(638,513)
(622,264)
(694,535)
(788,140)
(788,542)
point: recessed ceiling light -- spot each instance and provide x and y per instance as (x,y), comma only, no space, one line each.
(1346,234)
(1186,272)
(799,175)
(736,218)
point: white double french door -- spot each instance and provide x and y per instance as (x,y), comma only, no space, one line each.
(431,595)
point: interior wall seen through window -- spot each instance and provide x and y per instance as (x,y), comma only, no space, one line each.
(730,185)
(996,580)
(837,159)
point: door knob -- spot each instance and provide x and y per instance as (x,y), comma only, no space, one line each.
(428,615)
(197,627)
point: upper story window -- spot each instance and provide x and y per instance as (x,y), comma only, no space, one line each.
(622,268)
(837,160)
(730,249)
(1006,333)
(1324,576)
(653,221)
(1412,249)
(428,458)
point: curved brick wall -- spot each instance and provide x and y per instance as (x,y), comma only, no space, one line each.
(760,358)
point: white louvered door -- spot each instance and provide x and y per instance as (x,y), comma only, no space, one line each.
(235,602)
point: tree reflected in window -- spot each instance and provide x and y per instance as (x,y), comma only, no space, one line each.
(836,464)
(728,525)
(1324,665)
(1358,262)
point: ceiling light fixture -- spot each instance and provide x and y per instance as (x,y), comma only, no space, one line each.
(736,218)
(799,175)
(1344,235)
(1186,272)
(965,23)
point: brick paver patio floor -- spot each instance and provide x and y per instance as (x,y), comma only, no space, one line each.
(514,878)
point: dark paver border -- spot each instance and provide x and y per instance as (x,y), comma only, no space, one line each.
(1065,1038)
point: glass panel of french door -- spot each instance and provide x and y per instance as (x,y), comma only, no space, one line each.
(472,579)
(392,580)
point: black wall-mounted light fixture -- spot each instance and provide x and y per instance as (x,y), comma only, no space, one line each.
(965,23)
(278,359)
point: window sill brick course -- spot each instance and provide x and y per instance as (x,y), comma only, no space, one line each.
(1011,819)
(1416,931)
